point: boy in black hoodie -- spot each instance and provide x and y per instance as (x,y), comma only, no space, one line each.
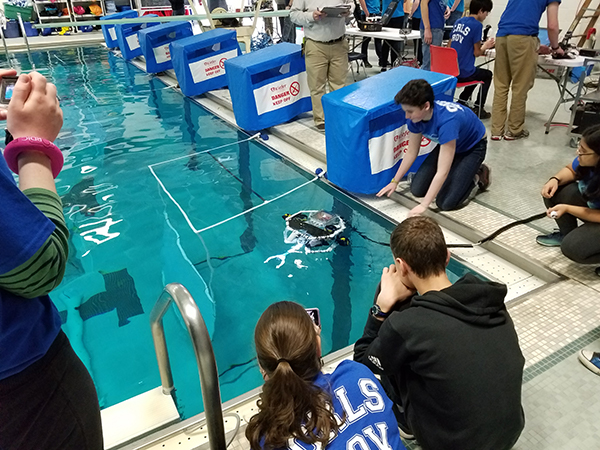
(449,354)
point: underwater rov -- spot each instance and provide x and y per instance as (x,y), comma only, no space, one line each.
(312,232)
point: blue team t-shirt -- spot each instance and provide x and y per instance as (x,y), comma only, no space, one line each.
(467,32)
(370,422)
(373,7)
(451,121)
(437,8)
(399,12)
(417,14)
(460,7)
(583,183)
(27,326)
(522,17)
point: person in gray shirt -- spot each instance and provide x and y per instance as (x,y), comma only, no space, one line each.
(325,49)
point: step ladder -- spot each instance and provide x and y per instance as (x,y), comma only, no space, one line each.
(587,11)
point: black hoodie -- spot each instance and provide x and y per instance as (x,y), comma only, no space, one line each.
(454,362)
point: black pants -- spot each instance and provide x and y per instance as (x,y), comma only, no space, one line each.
(395,22)
(580,244)
(51,405)
(479,75)
(416,26)
(364,48)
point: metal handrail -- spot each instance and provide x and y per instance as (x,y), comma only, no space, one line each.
(205,357)
(24,32)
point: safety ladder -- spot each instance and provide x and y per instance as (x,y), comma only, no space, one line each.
(585,12)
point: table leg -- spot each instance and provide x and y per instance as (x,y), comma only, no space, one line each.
(562,90)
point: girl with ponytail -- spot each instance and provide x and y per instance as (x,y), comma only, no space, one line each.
(299,405)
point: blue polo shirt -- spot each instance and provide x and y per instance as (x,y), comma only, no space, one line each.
(460,7)
(522,17)
(437,8)
(467,32)
(451,121)
(27,326)
(399,12)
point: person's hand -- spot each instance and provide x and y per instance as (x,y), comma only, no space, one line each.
(549,189)
(318,15)
(447,13)
(559,210)
(345,13)
(388,190)
(393,290)
(488,44)
(367,14)
(558,52)
(427,36)
(417,211)
(6,73)
(34,110)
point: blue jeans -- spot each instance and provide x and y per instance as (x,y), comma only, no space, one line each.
(437,35)
(454,16)
(460,181)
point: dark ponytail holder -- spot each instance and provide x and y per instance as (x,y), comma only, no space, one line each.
(280,360)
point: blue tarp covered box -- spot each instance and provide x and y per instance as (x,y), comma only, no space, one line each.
(199,61)
(365,131)
(268,87)
(110,36)
(155,43)
(127,37)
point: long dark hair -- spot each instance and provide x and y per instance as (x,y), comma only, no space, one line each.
(591,137)
(291,405)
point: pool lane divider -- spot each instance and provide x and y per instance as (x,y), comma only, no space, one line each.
(319,173)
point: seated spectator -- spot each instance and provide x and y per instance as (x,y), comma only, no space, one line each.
(574,193)
(449,354)
(454,169)
(466,40)
(302,408)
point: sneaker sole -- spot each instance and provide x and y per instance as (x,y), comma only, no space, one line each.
(405,435)
(547,245)
(583,360)
(496,138)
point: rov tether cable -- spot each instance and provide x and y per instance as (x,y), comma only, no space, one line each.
(499,231)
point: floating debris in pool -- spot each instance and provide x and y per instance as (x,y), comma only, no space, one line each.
(299,264)
(311,232)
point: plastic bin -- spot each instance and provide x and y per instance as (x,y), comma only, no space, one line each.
(127,37)
(366,133)
(268,87)
(11,11)
(155,42)
(110,36)
(29,30)
(12,29)
(199,61)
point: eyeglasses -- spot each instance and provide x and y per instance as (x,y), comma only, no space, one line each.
(580,153)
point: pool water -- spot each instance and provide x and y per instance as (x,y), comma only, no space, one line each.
(145,170)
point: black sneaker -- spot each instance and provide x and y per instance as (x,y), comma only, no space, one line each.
(485,177)
(368,65)
(405,433)
(483,115)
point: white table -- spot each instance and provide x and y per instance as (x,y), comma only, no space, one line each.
(388,34)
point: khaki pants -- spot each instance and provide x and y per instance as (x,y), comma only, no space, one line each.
(514,69)
(325,63)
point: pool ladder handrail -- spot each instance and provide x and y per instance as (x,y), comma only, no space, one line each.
(205,357)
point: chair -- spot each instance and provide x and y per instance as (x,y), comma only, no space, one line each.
(445,60)
(358,58)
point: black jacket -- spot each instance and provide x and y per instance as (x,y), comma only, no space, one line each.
(454,361)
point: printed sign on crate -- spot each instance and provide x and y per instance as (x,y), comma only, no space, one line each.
(281,93)
(211,67)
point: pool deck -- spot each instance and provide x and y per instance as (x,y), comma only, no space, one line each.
(560,397)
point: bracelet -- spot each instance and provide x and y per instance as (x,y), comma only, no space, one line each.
(27,144)
(394,181)
(555,48)
(554,178)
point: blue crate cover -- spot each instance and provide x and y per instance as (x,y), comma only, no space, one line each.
(366,133)
(127,37)
(110,36)
(155,43)
(199,61)
(268,87)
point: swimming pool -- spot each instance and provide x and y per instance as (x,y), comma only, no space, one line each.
(149,176)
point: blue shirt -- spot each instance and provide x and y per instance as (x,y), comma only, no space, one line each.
(369,416)
(399,12)
(460,7)
(373,7)
(522,17)
(27,326)
(583,183)
(449,122)
(437,8)
(467,32)
(417,14)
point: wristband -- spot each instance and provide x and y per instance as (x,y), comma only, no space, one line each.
(394,181)
(35,144)
(555,48)
(554,178)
